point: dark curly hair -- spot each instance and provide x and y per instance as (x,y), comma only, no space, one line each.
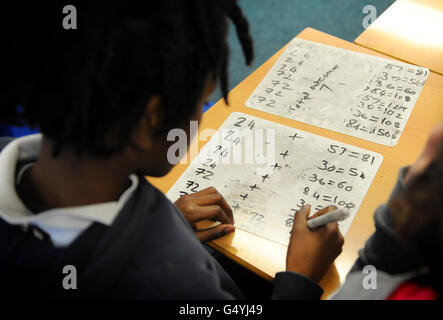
(419,219)
(77,85)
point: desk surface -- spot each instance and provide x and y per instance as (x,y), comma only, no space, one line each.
(265,257)
(409,30)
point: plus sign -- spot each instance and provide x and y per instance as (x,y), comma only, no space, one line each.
(254,187)
(294,136)
(276,166)
(286,153)
(244,196)
(266,176)
(236,207)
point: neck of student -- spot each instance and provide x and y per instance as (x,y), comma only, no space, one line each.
(73,180)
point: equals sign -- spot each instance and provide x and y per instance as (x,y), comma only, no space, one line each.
(354,154)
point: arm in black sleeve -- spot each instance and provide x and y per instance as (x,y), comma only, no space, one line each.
(294,286)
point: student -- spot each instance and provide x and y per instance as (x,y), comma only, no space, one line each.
(77,217)
(405,253)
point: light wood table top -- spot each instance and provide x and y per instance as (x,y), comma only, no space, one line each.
(409,30)
(265,257)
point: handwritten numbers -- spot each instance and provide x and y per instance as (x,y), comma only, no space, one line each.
(302,169)
(337,89)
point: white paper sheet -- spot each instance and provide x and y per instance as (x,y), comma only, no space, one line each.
(341,90)
(267,171)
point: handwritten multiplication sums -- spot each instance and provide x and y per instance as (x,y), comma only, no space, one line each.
(384,105)
(360,95)
(279,170)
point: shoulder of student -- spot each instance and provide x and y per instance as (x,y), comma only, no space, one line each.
(371,285)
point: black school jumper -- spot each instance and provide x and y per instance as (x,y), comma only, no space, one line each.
(149,252)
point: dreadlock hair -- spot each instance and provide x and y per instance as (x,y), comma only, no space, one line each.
(419,219)
(77,85)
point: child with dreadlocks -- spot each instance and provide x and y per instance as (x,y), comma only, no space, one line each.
(104,96)
(406,250)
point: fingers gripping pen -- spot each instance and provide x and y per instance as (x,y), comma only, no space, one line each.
(324,219)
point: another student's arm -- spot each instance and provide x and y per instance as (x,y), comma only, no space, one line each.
(383,249)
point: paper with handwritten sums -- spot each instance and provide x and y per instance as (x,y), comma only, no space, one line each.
(341,90)
(267,171)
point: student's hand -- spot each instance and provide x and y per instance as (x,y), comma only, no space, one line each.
(311,252)
(428,155)
(207,204)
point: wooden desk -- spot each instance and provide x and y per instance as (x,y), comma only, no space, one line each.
(409,30)
(265,257)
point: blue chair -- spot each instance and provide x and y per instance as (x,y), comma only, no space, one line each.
(207,105)
(16,131)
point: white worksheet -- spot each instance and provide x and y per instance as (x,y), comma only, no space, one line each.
(267,172)
(341,90)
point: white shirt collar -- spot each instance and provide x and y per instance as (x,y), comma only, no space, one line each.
(62,224)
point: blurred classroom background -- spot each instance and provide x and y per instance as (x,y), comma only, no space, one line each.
(274,23)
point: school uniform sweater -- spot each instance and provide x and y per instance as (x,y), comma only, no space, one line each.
(147,251)
(395,265)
